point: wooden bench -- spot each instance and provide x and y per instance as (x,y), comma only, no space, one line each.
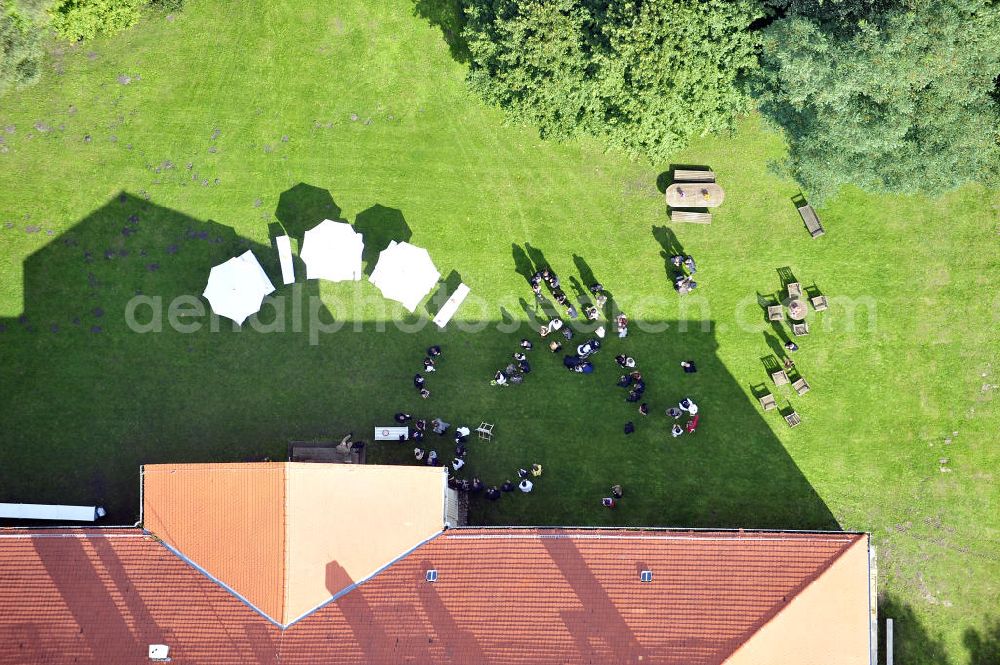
(811,221)
(819,303)
(800,386)
(779,377)
(800,329)
(793,419)
(794,290)
(683,175)
(767,402)
(690,217)
(775,313)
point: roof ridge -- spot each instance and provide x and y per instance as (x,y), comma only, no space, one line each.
(781,606)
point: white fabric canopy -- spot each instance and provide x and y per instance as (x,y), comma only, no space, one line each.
(405,273)
(236,288)
(332,251)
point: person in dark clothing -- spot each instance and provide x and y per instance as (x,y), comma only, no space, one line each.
(460,450)
(417,436)
(644,409)
(477,485)
(493,493)
(569,362)
(633,396)
(586,367)
(559,296)
(527,345)
(590,312)
(616,491)
(453,482)
(596,288)
(522,473)
(434,351)
(424,393)
(508,486)
(420,425)
(677,260)
(640,386)
(689,367)
(567,332)
(403,417)
(689,264)
(555,347)
(620,359)
(418,381)
(625,381)
(791,346)
(525,367)
(629,427)
(519,356)
(571,312)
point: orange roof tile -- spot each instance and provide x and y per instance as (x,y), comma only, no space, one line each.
(502,595)
(288,537)
(565,596)
(228,519)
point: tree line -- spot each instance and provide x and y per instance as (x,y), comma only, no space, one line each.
(886,95)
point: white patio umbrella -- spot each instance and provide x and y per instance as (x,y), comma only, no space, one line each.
(332,251)
(405,273)
(236,288)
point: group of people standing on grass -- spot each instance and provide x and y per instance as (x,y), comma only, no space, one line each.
(419,428)
(513,373)
(683,274)
(430,365)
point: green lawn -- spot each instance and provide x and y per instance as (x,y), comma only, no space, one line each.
(904,366)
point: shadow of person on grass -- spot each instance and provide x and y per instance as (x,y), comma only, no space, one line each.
(983,645)
(671,247)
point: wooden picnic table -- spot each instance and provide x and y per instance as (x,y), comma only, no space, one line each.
(694,195)
(797,310)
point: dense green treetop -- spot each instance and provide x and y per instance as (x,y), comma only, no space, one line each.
(644,76)
(905,105)
(20,50)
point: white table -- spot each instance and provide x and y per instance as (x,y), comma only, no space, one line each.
(391,433)
(449,308)
(285,256)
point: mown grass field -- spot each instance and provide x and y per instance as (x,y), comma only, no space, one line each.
(224,112)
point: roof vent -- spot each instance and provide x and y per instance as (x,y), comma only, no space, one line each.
(159,653)
(646,576)
(431,576)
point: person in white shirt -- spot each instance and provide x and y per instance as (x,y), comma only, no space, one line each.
(457,463)
(525,485)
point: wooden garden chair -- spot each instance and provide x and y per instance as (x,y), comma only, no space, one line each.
(800,329)
(819,303)
(793,419)
(779,377)
(801,386)
(767,402)
(794,290)
(775,313)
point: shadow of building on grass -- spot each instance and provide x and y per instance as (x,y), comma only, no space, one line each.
(89,399)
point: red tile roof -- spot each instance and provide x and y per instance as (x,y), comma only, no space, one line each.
(502,595)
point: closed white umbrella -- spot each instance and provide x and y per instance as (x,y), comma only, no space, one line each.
(236,288)
(405,273)
(332,251)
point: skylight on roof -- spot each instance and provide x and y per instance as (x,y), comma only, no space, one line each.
(646,576)
(431,576)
